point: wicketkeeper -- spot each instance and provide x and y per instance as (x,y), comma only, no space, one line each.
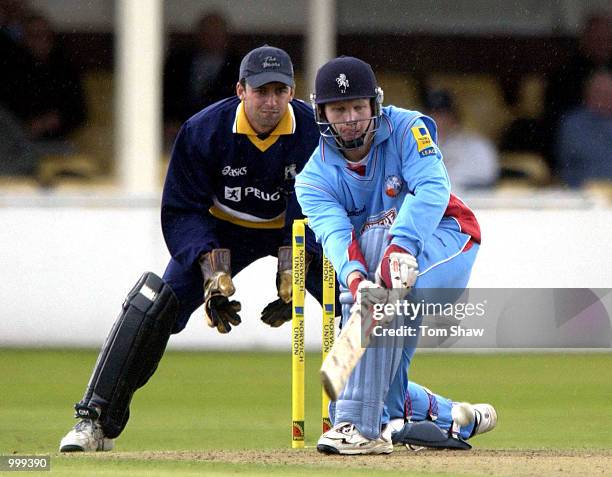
(228,201)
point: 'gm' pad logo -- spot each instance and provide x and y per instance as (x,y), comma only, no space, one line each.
(233,193)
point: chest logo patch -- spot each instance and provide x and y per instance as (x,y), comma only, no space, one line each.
(393,186)
(233,193)
(234,172)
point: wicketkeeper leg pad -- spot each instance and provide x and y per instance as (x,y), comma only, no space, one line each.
(427,434)
(130,354)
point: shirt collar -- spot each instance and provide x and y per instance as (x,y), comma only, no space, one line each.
(285,126)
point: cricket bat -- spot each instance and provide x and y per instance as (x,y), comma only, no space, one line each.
(350,346)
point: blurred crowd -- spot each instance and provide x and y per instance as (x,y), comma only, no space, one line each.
(41,94)
(43,104)
(199,74)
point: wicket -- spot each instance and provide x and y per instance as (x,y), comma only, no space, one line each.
(298,356)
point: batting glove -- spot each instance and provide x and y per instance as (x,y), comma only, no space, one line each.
(366,292)
(218,286)
(397,269)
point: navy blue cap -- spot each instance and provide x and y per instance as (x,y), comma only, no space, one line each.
(266,64)
(343,78)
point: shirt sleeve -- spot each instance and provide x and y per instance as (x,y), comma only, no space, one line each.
(188,227)
(428,186)
(331,225)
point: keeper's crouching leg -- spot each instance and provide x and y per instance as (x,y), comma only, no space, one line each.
(130,354)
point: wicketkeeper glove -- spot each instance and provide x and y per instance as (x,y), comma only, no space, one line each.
(216,271)
(397,269)
(279,311)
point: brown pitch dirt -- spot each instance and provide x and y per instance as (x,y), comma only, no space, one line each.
(478,462)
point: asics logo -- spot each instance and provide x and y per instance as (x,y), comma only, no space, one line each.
(238,171)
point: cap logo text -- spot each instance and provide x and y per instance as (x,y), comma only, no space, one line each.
(270,62)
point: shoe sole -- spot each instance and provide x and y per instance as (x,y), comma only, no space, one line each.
(71,448)
(330,450)
(327,449)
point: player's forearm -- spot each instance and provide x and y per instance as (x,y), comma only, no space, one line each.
(332,228)
(340,246)
(188,235)
(292,212)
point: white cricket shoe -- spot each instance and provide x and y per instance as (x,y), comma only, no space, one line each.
(486,418)
(344,438)
(86,436)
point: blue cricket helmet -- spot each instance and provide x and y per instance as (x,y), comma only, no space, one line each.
(345,78)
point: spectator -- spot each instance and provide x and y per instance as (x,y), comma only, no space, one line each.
(12,14)
(470,158)
(11,52)
(584,140)
(566,84)
(46,94)
(17,154)
(199,75)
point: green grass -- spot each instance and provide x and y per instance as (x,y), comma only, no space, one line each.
(112,468)
(199,401)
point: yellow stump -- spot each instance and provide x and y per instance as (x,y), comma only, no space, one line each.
(298,355)
(327,335)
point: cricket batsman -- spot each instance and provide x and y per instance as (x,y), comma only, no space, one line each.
(377,196)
